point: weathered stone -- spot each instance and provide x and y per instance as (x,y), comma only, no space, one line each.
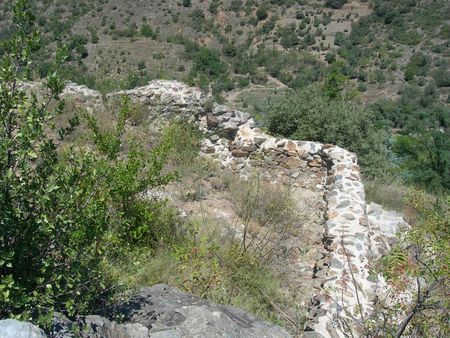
(209,149)
(281,143)
(321,174)
(163,311)
(291,147)
(250,148)
(293,163)
(212,121)
(314,164)
(229,129)
(239,153)
(258,140)
(295,174)
(11,328)
(311,334)
(336,263)
(349,216)
(344,204)
(281,159)
(321,273)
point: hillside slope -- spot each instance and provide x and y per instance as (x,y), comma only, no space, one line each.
(121,44)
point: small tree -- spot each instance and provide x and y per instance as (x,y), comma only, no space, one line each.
(262,12)
(147,31)
(63,210)
(336,4)
(425,159)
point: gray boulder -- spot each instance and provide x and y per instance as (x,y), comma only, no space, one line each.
(11,328)
(162,311)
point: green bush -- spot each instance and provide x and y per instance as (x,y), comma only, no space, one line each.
(64,211)
(310,115)
(262,12)
(339,39)
(336,4)
(94,35)
(288,36)
(425,159)
(417,66)
(208,62)
(198,19)
(147,31)
(442,77)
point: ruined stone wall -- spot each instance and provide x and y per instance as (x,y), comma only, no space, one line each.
(354,233)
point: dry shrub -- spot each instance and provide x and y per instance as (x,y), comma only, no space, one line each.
(389,194)
(267,212)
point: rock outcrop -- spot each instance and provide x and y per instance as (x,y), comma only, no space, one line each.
(162,311)
(11,328)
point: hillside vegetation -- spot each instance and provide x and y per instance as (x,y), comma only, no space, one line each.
(391,56)
(75,229)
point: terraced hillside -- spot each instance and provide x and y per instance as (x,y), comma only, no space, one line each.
(234,45)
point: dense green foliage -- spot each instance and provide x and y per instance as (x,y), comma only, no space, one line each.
(63,211)
(425,159)
(421,148)
(335,3)
(309,114)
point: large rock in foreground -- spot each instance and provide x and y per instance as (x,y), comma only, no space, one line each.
(11,328)
(162,311)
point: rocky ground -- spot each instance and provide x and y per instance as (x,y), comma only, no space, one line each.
(160,311)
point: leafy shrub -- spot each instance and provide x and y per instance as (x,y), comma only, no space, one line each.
(339,39)
(425,159)
(208,62)
(198,19)
(185,139)
(309,115)
(330,57)
(94,35)
(214,7)
(147,31)
(235,5)
(288,36)
(362,87)
(336,4)
(77,44)
(442,77)
(262,12)
(417,66)
(65,211)
(141,65)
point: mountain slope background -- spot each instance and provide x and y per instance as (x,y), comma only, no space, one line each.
(391,57)
(242,44)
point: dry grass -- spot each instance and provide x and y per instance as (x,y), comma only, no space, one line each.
(389,194)
(267,212)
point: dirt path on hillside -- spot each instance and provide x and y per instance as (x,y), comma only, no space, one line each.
(276,84)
